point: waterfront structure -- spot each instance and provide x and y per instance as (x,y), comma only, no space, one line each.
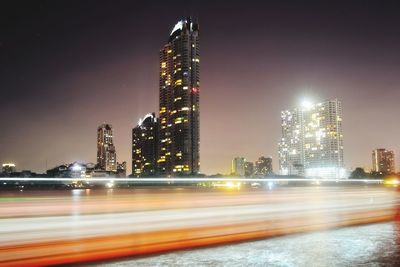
(238,166)
(8,168)
(312,140)
(72,170)
(248,169)
(80,170)
(145,147)
(106,155)
(383,161)
(263,166)
(179,101)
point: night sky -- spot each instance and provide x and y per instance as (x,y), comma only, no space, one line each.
(68,66)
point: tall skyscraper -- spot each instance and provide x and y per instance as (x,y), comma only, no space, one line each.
(179,101)
(145,147)
(383,161)
(106,155)
(263,166)
(238,166)
(312,140)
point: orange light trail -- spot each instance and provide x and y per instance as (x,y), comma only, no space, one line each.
(89,225)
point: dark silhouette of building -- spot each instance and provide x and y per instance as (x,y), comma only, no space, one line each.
(83,170)
(71,170)
(121,169)
(145,147)
(248,168)
(263,166)
(179,101)
(8,168)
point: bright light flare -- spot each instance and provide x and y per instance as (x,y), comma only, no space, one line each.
(391,181)
(306,104)
(76,167)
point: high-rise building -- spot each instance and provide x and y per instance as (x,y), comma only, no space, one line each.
(383,161)
(248,168)
(238,166)
(106,155)
(312,140)
(263,166)
(179,101)
(145,147)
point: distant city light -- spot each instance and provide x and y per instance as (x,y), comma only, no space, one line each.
(8,165)
(306,104)
(270,185)
(76,167)
(178,26)
(148,115)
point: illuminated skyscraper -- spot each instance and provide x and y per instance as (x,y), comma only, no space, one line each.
(383,161)
(106,155)
(145,147)
(312,140)
(179,101)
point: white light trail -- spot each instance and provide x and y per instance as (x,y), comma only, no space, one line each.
(186,179)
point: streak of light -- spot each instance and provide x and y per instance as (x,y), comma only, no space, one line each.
(59,227)
(183,179)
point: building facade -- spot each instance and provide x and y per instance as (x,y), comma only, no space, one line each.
(383,161)
(248,169)
(145,147)
(179,101)
(106,155)
(238,166)
(312,140)
(263,166)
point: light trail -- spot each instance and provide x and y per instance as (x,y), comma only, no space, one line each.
(183,179)
(44,228)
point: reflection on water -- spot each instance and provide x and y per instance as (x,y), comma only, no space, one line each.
(368,245)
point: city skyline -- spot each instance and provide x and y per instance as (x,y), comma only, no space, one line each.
(242,92)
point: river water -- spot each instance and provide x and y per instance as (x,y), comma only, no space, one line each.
(366,245)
